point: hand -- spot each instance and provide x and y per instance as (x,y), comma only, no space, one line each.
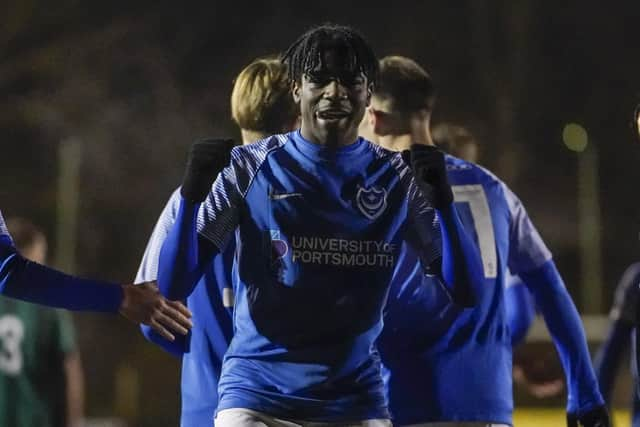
(596,417)
(143,303)
(207,158)
(430,171)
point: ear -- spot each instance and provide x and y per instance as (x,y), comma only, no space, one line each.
(295,91)
(369,93)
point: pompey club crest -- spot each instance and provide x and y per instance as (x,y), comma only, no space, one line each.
(371,201)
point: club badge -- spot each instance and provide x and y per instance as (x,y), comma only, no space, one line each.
(371,201)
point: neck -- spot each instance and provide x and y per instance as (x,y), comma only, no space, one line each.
(419,132)
(330,140)
(249,136)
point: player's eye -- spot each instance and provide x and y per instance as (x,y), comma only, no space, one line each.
(318,79)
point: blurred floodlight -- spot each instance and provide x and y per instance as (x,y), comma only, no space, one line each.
(575,137)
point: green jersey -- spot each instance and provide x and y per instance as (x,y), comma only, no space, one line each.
(34,341)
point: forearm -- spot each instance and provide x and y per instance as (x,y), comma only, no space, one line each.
(565,327)
(182,256)
(610,355)
(461,268)
(32,282)
(74,389)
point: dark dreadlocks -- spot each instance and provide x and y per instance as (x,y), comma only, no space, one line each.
(305,54)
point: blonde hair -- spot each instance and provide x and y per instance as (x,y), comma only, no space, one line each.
(261,99)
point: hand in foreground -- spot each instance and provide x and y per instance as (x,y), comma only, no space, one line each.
(430,171)
(596,417)
(143,303)
(207,158)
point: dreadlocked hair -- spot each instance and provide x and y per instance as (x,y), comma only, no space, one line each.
(305,54)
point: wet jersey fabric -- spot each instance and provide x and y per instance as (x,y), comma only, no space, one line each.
(34,342)
(458,366)
(318,233)
(211,305)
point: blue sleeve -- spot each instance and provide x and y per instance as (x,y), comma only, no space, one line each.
(565,327)
(520,311)
(29,281)
(179,268)
(461,266)
(198,234)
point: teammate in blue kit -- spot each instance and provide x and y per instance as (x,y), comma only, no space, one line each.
(457,371)
(261,105)
(623,330)
(35,283)
(317,215)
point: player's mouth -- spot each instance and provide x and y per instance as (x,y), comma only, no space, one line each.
(332,115)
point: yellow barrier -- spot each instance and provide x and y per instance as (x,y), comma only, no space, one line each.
(555,417)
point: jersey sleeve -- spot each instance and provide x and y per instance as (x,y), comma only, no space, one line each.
(184,255)
(423,226)
(527,250)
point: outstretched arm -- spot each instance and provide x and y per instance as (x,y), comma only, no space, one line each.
(564,324)
(29,281)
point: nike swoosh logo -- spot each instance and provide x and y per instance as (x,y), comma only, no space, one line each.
(281,196)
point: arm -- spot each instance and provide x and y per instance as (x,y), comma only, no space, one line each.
(66,346)
(623,317)
(35,283)
(564,324)
(459,267)
(530,259)
(74,389)
(199,233)
(148,270)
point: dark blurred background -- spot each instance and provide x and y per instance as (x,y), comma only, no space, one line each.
(99,102)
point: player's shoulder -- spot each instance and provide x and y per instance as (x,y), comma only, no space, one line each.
(258,150)
(632,273)
(466,170)
(385,155)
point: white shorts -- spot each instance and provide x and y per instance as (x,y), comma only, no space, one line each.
(240,417)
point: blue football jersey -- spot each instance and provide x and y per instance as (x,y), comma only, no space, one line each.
(211,305)
(444,363)
(318,232)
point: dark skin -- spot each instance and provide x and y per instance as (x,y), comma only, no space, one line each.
(332,101)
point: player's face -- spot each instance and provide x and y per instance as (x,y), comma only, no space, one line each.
(332,101)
